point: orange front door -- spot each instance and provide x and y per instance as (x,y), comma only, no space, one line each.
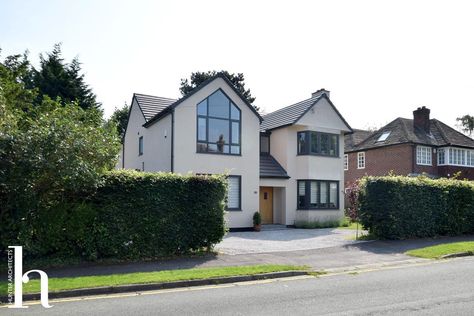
(266,204)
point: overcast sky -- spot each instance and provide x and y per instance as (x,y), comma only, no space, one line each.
(379,59)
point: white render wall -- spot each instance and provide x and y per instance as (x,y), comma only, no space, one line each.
(283,146)
(156,143)
(187,160)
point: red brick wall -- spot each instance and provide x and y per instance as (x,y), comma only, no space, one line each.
(401,159)
(448,171)
(381,161)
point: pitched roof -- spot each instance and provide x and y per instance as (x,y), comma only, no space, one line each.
(151,105)
(270,168)
(402,131)
(291,114)
(171,106)
(354,139)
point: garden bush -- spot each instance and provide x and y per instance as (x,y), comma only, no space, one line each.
(396,207)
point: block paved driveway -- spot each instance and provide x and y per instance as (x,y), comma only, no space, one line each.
(280,239)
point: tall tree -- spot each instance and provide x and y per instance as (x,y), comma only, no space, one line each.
(56,78)
(467,123)
(120,118)
(199,77)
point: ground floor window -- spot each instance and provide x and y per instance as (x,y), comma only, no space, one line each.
(318,194)
(234,193)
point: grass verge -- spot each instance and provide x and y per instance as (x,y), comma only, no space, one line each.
(59,284)
(438,251)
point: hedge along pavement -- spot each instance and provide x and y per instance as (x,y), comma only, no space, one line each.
(130,215)
(396,207)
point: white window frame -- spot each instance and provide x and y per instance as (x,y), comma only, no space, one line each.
(458,157)
(346,162)
(444,152)
(424,156)
(361,160)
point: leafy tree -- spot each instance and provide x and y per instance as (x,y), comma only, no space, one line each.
(197,78)
(56,78)
(120,118)
(467,123)
(16,82)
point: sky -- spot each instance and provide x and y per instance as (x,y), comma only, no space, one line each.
(380,59)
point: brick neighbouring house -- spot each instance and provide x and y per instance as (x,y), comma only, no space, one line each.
(409,147)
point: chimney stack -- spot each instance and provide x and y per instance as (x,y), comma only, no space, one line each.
(421,118)
(319,92)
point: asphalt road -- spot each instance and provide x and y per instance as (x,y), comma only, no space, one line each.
(442,288)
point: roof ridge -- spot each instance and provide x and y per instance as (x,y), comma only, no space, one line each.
(294,104)
(405,130)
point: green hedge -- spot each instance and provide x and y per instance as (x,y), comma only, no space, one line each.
(396,207)
(131,215)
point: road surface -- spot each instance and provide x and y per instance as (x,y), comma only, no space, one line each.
(441,288)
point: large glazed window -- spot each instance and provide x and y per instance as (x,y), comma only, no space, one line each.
(316,143)
(218,125)
(318,194)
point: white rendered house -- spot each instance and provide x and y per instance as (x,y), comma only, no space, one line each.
(288,165)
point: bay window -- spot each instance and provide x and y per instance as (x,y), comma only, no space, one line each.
(316,143)
(318,194)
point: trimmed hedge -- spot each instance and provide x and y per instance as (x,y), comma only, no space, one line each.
(131,215)
(396,207)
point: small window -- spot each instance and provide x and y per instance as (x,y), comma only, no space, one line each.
(441,156)
(140,146)
(423,155)
(264,144)
(234,193)
(318,194)
(384,136)
(361,160)
(346,162)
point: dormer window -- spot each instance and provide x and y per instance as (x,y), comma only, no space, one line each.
(384,136)
(218,125)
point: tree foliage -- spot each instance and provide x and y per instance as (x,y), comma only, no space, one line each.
(197,78)
(467,123)
(120,118)
(56,78)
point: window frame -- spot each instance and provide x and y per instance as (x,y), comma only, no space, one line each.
(458,157)
(239,208)
(307,148)
(140,146)
(307,199)
(419,155)
(264,135)
(361,154)
(207,117)
(346,162)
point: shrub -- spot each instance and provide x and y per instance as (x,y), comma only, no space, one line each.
(153,214)
(257,218)
(343,222)
(396,207)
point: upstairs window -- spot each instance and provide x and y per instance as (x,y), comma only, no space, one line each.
(383,137)
(316,143)
(140,146)
(423,155)
(218,125)
(361,160)
(264,144)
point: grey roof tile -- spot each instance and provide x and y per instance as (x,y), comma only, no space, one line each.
(151,105)
(288,115)
(270,168)
(402,131)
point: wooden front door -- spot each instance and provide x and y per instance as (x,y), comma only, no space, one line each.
(266,204)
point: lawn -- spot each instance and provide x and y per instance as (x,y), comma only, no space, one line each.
(436,252)
(58,284)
